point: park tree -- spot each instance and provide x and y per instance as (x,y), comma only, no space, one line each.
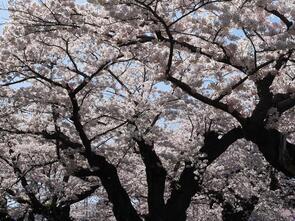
(163,110)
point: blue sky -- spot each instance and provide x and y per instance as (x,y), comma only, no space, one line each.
(3,13)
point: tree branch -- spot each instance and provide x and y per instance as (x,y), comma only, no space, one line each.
(189,183)
(214,103)
(156,176)
(280,16)
(122,207)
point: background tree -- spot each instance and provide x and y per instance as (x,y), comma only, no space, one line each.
(161,109)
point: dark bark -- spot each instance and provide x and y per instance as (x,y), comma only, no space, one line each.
(281,16)
(59,214)
(214,103)
(265,100)
(189,184)
(50,213)
(4,213)
(122,207)
(181,195)
(274,181)
(31,216)
(230,213)
(77,198)
(156,177)
(35,204)
(275,148)
(272,143)
(214,147)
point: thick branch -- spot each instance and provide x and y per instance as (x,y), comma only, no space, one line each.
(280,16)
(66,142)
(188,184)
(214,147)
(122,207)
(34,202)
(214,103)
(266,98)
(80,196)
(286,104)
(156,176)
(275,148)
(183,191)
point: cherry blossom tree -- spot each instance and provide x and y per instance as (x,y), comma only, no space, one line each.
(162,110)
